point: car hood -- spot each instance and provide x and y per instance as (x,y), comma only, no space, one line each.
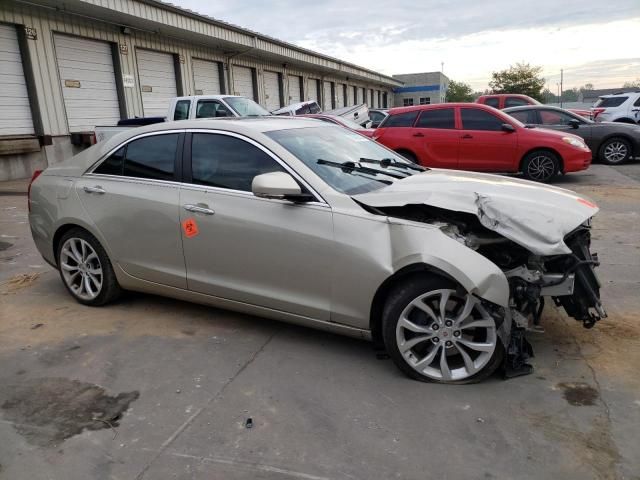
(535,216)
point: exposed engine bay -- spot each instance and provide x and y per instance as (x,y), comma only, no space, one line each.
(569,280)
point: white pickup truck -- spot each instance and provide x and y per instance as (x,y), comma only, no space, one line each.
(195,106)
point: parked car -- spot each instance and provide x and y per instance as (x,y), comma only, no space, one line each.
(471,136)
(611,143)
(343,122)
(618,107)
(309,223)
(195,106)
(377,116)
(507,100)
(299,108)
(356,113)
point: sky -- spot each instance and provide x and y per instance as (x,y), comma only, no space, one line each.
(594,41)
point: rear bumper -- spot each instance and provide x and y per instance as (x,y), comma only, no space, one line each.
(577,160)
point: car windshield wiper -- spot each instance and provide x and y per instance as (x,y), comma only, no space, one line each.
(352,168)
(390,162)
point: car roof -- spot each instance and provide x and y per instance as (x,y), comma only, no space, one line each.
(618,94)
(204,97)
(434,106)
(533,107)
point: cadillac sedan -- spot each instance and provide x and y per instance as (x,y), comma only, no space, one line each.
(309,223)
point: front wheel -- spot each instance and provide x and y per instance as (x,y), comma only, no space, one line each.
(85,269)
(540,166)
(435,332)
(614,151)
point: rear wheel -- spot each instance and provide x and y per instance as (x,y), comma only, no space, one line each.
(614,151)
(435,332)
(540,166)
(85,269)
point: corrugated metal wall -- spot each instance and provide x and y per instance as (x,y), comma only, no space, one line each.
(43,23)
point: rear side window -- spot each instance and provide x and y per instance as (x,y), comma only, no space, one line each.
(439,118)
(182,110)
(473,119)
(492,102)
(228,162)
(515,102)
(405,119)
(152,157)
(113,165)
(611,102)
(637,103)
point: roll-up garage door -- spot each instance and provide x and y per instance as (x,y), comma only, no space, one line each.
(206,77)
(243,82)
(14,98)
(339,95)
(157,81)
(272,90)
(328,101)
(295,89)
(313,93)
(88,82)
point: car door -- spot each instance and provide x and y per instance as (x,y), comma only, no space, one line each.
(266,252)
(440,139)
(562,121)
(132,197)
(484,145)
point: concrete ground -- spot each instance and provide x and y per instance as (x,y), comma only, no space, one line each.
(191,381)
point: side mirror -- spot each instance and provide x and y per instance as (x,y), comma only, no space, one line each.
(574,123)
(507,127)
(278,185)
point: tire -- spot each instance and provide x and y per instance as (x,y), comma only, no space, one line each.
(406,323)
(614,151)
(540,166)
(408,155)
(85,269)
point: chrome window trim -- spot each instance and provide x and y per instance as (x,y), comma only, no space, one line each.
(97,163)
(282,163)
(90,171)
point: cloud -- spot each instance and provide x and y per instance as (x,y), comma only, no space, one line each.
(471,37)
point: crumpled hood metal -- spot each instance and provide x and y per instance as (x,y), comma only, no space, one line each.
(535,216)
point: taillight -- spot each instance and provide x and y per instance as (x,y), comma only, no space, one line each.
(596,111)
(35,175)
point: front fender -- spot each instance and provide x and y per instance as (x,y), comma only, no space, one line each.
(413,244)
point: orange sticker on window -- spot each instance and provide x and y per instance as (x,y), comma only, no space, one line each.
(190,228)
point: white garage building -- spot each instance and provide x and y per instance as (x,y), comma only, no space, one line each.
(67,66)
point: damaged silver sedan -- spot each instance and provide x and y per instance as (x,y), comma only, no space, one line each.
(300,221)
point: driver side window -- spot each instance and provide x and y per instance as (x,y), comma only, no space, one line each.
(229,162)
(552,117)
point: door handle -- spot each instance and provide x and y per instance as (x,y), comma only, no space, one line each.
(198,209)
(95,189)
(467,136)
(418,134)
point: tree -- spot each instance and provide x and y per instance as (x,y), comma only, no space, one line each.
(549,97)
(586,86)
(634,84)
(521,78)
(570,95)
(459,92)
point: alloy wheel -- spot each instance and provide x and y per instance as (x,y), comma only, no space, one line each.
(446,336)
(541,168)
(615,152)
(81,269)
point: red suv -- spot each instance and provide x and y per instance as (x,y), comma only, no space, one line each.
(470,136)
(506,100)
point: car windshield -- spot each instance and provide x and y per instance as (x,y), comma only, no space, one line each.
(246,107)
(320,148)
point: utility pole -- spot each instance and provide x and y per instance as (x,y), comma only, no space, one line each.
(561,87)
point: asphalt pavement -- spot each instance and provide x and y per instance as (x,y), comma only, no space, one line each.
(155,388)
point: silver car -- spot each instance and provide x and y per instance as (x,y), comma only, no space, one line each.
(301,221)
